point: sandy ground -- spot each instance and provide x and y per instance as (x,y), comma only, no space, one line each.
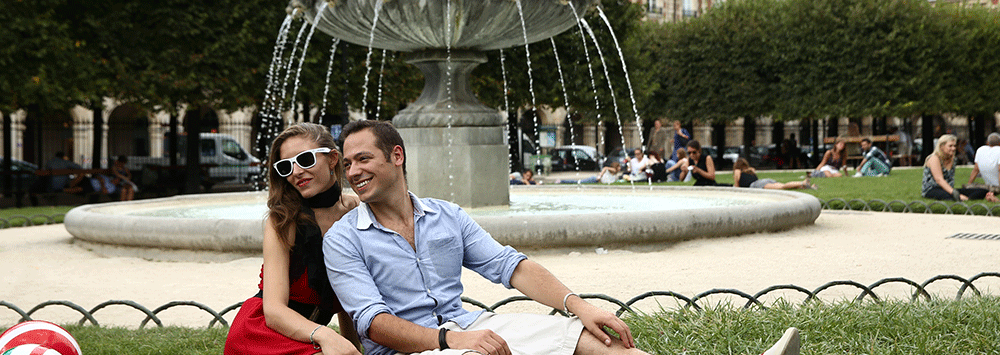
(43,263)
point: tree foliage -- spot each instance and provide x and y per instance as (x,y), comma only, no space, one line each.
(798,59)
(44,64)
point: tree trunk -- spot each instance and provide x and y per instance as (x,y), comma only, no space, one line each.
(719,139)
(816,142)
(927,135)
(96,153)
(8,177)
(172,139)
(192,169)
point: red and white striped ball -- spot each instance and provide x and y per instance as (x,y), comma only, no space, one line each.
(30,349)
(41,333)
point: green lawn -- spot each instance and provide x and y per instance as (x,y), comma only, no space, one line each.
(934,327)
(38,215)
(902,185)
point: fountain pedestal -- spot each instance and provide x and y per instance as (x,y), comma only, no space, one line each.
(465,165)
(455,146)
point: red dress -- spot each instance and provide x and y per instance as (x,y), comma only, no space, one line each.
(249,333)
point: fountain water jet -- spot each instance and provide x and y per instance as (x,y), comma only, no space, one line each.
(446,40)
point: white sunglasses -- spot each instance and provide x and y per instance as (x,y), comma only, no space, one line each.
(306,159)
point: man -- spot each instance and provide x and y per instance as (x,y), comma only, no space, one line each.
(59,162)
(904,146)
(988,163)
(658,139)
(681,138)
(790,152)
(395,263)
(874,161)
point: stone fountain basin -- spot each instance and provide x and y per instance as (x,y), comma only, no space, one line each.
(415,25)
(632,217)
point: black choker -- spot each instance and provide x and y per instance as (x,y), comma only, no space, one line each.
(326,198)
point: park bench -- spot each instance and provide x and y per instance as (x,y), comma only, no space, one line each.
(54,197)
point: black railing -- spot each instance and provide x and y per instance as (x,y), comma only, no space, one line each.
(919,290)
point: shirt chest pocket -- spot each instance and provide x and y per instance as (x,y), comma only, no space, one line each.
(445,254)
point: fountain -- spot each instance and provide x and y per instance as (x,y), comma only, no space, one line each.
(445,39)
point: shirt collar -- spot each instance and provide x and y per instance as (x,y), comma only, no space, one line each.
(366,219)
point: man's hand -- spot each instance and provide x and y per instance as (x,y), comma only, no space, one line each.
(484,341)
(595,319)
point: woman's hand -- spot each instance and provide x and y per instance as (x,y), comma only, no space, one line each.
(332,343)
(962,197)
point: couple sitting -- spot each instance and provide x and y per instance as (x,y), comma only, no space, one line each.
(390,265)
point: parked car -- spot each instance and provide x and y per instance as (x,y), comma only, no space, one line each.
(24,178)
(227,161)
(575,158)
(731,154)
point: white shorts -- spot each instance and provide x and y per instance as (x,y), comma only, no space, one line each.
(525,334)
(830,169)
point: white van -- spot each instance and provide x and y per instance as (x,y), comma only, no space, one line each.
(227,161)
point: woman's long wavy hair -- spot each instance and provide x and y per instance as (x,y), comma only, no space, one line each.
(945,160)
(284,203)
(742,165)
(842,154)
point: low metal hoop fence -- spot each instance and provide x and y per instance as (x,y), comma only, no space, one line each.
(918,291)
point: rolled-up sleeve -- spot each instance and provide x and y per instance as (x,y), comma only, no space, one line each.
(485,255)
(350,278)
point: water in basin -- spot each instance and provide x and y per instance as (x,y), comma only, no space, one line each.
(535,203)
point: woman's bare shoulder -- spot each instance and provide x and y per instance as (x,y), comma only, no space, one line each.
(350,202)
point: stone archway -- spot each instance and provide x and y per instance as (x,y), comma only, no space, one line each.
(128,131)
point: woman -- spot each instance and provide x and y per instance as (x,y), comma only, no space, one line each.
(677,170)
(657,169)
(700,165)
(123,179)
(939,175)
(833,160)
(290,313)
(745,176)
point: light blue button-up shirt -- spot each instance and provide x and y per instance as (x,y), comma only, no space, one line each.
(375,270)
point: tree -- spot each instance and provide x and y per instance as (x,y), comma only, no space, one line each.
(44,67)
(720,66)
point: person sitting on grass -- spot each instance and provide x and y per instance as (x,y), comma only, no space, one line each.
(746,176)
(397,262)
(677,169)
(833,160)
(987,165)
(874,163)
(608,174)
(290,312)
(701,166)
(939,175)
(637,166)
(657,169)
